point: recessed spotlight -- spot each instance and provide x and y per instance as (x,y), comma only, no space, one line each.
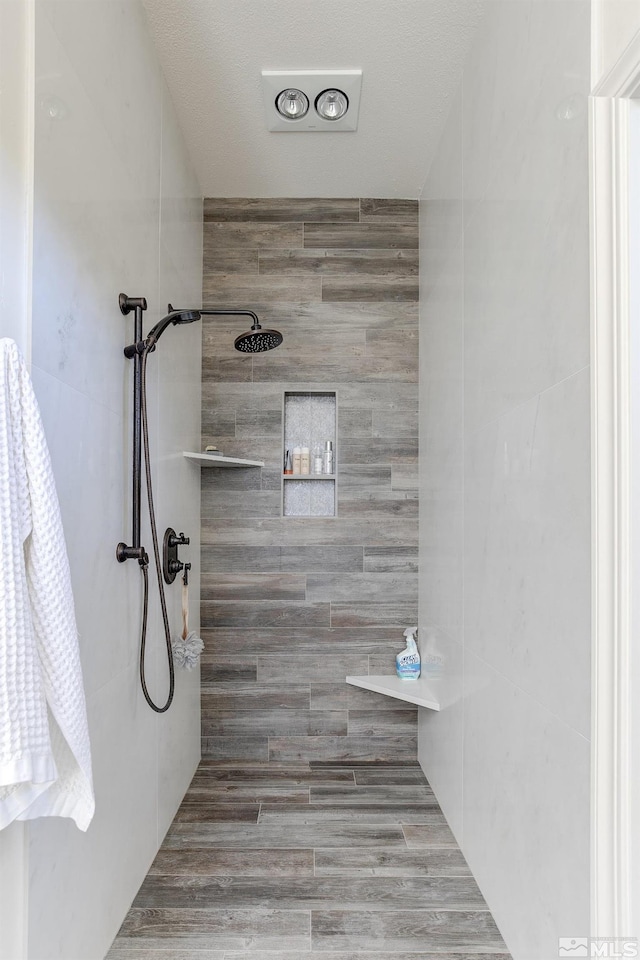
(292,104)
(332,104)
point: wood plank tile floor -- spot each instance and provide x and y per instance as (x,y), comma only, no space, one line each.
(309,862)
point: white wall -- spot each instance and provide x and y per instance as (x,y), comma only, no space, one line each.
(117,208)
(505,468)
(16,170)
(16,207)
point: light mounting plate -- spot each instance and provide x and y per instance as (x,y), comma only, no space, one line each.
(312,83)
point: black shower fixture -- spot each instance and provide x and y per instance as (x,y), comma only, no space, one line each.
(255,340)
(149,343)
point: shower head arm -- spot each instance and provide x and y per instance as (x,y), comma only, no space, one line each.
(206,312)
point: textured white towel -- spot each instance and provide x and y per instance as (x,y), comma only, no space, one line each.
(45,759)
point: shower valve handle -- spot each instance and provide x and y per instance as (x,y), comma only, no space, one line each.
(171,563)
(178,541)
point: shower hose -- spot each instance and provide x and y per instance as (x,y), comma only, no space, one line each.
(144,561)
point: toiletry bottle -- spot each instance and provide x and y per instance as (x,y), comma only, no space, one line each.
(408,661)
(288,463)
(296,460)
(317,459)
(305,461)
(329,465)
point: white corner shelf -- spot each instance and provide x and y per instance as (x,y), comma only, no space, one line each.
(211,460)
(420,692)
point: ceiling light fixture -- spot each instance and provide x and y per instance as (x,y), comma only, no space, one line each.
(311,101)
(292,104)
(332,104)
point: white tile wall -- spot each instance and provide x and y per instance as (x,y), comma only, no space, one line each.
(116,208)
(526,813)
(527,508)
(504,583)
(441,458)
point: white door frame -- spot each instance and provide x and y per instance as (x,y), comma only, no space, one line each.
(615,822)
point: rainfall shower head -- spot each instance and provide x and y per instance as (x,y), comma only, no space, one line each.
(257,340)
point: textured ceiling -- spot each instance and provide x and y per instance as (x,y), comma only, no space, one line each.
(410,51)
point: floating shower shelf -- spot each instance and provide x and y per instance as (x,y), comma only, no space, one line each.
(420,692)
(308,476)
(210,460)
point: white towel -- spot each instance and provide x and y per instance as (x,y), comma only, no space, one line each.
(45,759)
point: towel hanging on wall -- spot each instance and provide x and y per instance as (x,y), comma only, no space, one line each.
(45,760)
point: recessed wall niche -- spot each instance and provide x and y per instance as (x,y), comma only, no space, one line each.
(309,421)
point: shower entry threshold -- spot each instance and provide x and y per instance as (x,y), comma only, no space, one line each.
(421,691)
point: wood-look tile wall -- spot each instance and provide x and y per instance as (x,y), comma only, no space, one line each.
(290,606)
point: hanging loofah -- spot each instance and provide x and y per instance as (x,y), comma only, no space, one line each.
(188,647)
(187,650)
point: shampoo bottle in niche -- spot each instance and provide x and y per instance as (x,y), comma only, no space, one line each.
(329,460)
(408,661)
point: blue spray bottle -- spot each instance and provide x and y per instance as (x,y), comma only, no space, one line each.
(408,661)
